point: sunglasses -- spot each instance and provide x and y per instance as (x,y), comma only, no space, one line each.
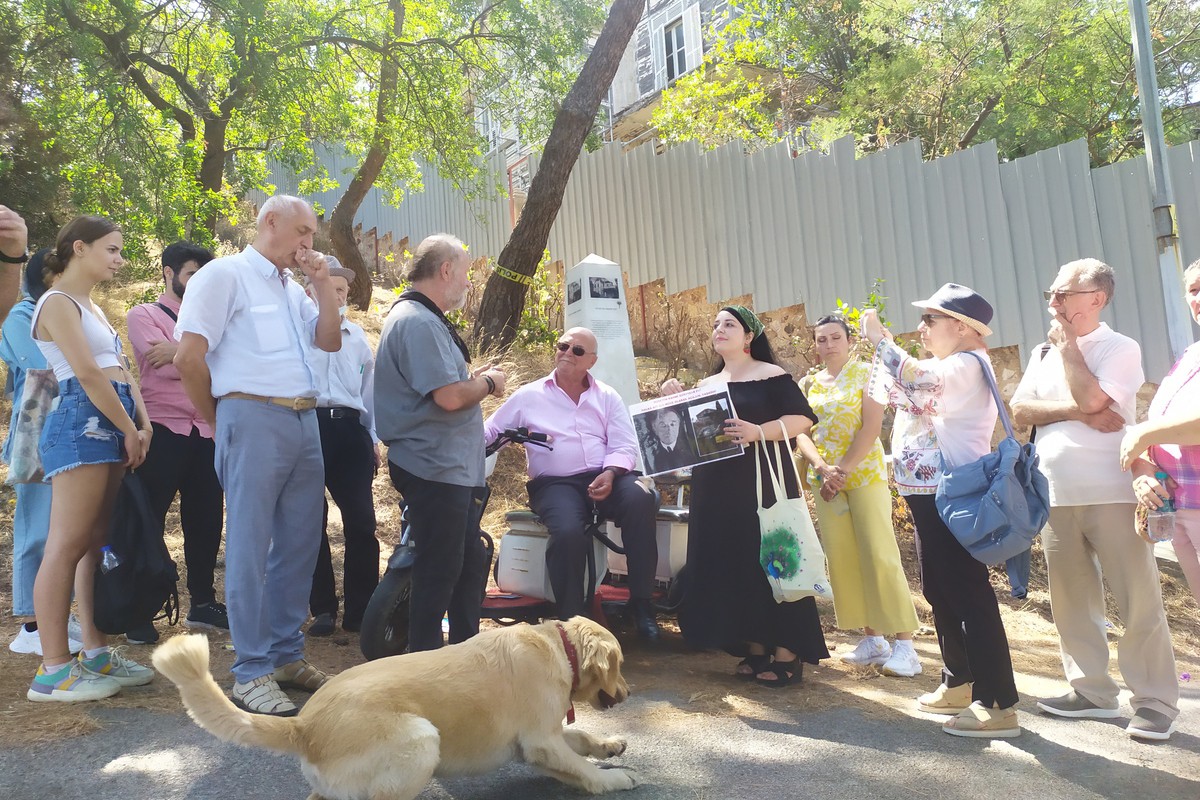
(928,319)
(574,348)
(1061,295)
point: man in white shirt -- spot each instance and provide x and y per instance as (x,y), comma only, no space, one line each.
(345,400)
(1081,394)
(245,329)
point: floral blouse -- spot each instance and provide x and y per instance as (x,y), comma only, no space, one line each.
(839,407)
(952,400)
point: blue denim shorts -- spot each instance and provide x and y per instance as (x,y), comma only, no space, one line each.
(77,433)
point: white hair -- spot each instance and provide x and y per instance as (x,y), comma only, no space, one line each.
(277,203)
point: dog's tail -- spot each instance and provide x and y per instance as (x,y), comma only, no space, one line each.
(184,659)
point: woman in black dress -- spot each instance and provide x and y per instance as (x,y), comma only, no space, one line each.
(728,603)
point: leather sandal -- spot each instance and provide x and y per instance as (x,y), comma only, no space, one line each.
(749,667)
(785,672)
(300,675)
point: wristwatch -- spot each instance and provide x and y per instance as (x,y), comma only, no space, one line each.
(7,259)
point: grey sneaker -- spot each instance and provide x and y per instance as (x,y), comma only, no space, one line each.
(263,696)
(1076,706)
(1150,724)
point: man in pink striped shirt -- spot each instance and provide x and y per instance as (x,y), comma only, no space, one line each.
(591,466)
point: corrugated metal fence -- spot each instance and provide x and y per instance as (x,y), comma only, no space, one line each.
(819,227)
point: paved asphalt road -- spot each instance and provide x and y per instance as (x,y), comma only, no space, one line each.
(759,752)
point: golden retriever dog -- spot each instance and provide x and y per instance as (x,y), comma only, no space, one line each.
(382,730)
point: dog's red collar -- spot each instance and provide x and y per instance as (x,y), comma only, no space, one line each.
(573,660)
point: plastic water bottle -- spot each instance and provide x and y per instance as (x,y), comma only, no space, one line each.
(108,559)
(1160,524)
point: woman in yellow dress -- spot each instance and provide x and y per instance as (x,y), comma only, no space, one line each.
(854,506)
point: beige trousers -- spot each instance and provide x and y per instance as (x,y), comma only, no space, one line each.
(1084,546)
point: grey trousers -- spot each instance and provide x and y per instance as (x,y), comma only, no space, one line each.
(1079,543)
(268,459)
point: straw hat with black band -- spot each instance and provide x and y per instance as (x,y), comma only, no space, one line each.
(963,304)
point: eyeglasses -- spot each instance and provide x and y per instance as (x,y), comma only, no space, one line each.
(1061,295)
(928,319)
(574,348)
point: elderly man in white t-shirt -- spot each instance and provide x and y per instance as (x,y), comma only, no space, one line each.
(1081,392)
(245,331)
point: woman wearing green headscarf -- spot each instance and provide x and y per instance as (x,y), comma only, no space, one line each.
(728,602)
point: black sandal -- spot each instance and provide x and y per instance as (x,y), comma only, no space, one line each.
(756,664)
(785,672)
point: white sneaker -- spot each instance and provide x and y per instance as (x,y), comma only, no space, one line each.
(27,641)
(904,663)
(869,651)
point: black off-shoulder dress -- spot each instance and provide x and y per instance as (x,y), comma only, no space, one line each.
(727,599)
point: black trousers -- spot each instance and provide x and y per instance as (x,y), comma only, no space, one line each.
(965,612)
(562,504)
(450,568)
(184,465)
(349,457)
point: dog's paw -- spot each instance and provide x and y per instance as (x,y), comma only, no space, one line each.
(613,746)
(634,779)
(617,779)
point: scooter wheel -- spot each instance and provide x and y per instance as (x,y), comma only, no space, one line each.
(385,622)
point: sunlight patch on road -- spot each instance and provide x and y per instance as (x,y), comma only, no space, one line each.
(163,762)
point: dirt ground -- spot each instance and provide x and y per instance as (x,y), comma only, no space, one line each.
(703,678)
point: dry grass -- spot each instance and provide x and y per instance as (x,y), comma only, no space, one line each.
(703,681)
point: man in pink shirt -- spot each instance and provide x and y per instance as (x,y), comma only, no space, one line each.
(591,465)
(181,453)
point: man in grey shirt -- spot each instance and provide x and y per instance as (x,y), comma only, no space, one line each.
(427,412)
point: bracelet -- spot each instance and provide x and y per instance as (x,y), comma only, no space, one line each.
(7,259)
(491,384)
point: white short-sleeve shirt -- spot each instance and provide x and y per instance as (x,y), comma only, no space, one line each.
(1082,463)
(258,323)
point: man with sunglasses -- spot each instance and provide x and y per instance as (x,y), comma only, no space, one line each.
(1080,392)
(591,466)
(427,400)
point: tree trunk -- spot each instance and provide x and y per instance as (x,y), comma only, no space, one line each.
(341,222)
(212,170)
(504,299)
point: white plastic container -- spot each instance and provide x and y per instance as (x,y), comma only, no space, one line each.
(521,563)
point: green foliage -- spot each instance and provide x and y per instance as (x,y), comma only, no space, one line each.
(1030,74)
(162,114)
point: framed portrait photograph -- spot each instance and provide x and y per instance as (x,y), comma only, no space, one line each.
(682,430)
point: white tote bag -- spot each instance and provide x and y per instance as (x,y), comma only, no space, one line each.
(789,551)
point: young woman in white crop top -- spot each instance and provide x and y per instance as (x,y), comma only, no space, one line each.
(98,428)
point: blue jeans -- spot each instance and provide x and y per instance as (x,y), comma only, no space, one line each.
(1018,573)
(268,459)
(31,526)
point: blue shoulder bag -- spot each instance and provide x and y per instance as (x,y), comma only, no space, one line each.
(996,505)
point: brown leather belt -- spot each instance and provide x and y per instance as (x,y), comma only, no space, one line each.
(294,403)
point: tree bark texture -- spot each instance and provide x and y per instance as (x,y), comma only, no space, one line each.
(504,299)
(341,222)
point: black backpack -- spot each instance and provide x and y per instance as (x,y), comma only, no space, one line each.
(143,585)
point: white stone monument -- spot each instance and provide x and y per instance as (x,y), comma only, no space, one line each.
(596,300)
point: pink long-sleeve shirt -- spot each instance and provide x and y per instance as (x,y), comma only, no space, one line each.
(162,388)
(596,433)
